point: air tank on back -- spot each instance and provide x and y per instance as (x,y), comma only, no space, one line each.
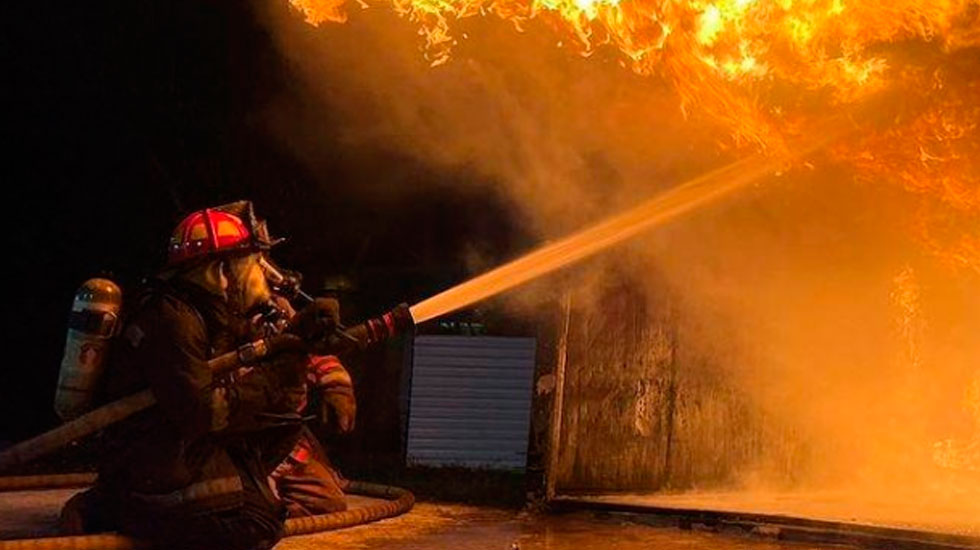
(94,320)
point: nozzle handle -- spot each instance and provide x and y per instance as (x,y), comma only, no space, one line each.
(374,330)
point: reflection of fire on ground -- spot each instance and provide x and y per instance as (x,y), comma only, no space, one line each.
(437,525)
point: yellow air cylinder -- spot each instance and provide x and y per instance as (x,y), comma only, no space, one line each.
(93,322)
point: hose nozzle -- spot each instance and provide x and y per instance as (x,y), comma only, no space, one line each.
(381,328)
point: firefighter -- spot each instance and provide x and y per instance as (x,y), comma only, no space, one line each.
(193,472)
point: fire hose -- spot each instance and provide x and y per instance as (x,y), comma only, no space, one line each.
(394,500)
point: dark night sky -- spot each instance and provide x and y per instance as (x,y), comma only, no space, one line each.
(124,115)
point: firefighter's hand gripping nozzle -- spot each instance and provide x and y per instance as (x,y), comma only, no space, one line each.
(319,326)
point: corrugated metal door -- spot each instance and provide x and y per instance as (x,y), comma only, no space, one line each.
(470,401)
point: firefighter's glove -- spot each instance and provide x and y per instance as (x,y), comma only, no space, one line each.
(338,407)
(317,323)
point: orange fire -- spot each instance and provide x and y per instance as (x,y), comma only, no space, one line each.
(763,67)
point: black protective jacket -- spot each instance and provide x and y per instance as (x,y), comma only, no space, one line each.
(193,449)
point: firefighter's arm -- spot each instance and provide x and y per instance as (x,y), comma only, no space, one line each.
(173,344)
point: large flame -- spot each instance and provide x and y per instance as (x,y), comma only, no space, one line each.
(762,66)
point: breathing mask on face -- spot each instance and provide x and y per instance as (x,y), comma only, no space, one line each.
(247,286)
(272,314)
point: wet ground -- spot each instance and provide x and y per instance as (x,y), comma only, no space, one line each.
(436,526)
(433,525)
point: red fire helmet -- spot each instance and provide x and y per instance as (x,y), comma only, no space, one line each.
(220,230)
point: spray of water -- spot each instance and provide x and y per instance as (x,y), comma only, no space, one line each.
(688,196)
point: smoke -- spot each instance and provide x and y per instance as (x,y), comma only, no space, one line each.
(812,294)
(839,327)
(568,137)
